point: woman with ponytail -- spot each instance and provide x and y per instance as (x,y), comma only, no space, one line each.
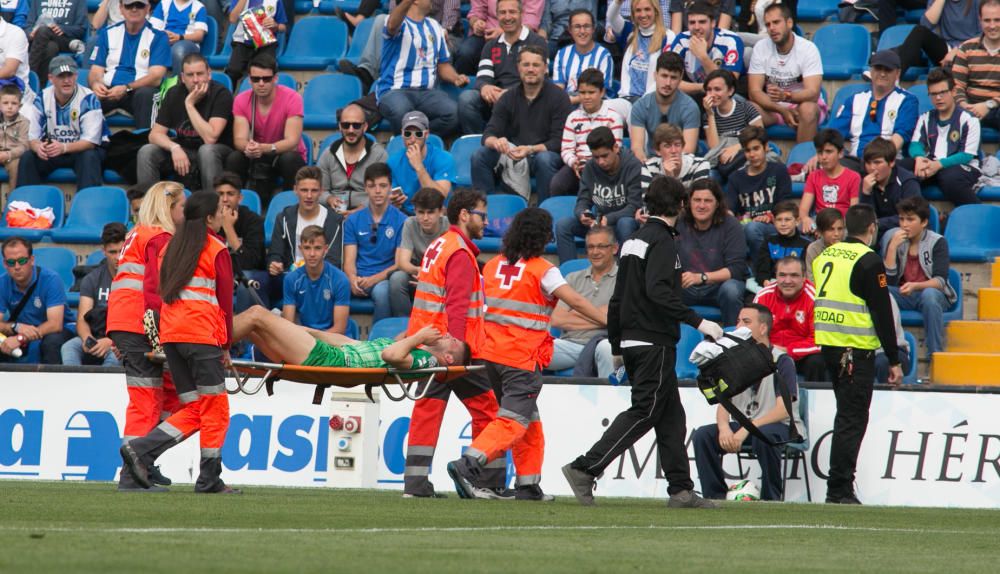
(196,324)
(134,289)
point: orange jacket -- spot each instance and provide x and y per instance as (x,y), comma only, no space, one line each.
(196,316)
(429,300)
(125,303)
(517,313)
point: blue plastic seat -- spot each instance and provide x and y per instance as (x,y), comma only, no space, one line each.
(251,199)
(303,6)
(559,207)
(841,97)
(500,210)
(924,103)
(574,265)
(973,233)
(330,7)
(690,337)
(61,260)
(362,306)
(462,150)
(316,42)
(710,313)
(210,45)
(352,330)
(911,379)
(358,40)
(844,49)
(324,96)
(388,328)
(914,319)
(223,79)
(278,202)
(815,10)
(219,61)
(308,142)
(395,144)
(801,153)
(91,209)
(95,257)
(33,82)
(38,196)
(283,80)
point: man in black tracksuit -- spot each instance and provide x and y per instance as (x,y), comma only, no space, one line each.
(644,318)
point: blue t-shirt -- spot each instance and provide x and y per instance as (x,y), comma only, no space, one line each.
(126,57)
(50,292)
(315,300)
(438,163)
(378,256)
(854,119)
(683,113)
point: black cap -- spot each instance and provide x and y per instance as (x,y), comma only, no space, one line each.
(885,59)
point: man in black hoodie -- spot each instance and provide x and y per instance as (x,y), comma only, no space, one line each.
(644,317)
(610,193)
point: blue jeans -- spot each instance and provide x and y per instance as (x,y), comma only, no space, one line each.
(441,110)
(569,228)
(756,233)
(401,291)
(379,294)
(73,354)
(542,166)
(468,53)
(707,452)
(932,304)
(472,112)
(179,51)
(565,355)
(88,166)
(728,297)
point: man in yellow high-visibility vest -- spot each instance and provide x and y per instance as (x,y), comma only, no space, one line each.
(853,318)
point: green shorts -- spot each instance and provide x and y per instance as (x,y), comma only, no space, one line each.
(325,355)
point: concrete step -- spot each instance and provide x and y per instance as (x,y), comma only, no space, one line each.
(989,304)
(973,336)
(977,369)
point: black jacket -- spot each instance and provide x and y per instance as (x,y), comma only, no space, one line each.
(902,184)
(283,237)
(647,303)
(250,229)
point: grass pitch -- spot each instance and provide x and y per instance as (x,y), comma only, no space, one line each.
(89,527)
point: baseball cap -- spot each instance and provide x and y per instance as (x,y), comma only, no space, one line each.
(886,59)
(416,120)
(62,65)
(146,2)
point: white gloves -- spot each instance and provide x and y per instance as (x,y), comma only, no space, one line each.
(710,329)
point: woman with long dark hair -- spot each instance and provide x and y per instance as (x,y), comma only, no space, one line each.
(133,290)
(522,288)
(196,325)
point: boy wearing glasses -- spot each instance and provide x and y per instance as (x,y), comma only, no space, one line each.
(42,315)
(944,150)
(371,237)
(128,62)
(344,163)
(419,165)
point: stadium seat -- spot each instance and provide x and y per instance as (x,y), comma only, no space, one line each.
(91,209)
(559,207)
(911,379)
(395,144)
(223,79)
(815,10)
(324,96)
(251,200)
(308,142)
(710,313)
(303,6)
(33,82)
(38,196)
(923,100)
(953,313)
(801,153)
(690,337)
(500,210)
(210,45)
(362,306)
(844,49)
(330,6)
(934,222)
(61,260)
(894,36)
(574,265)
(358,39)
(219,61)
(462,150)
(278,202)
(388,328)
(841,97)
(316,42)
(793,451)
(283,79)
(352,330)
(95,257)
(973,234)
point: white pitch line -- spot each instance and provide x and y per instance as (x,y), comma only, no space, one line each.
(474,529)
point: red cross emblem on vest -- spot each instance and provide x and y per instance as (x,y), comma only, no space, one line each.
(431,255)
(508,274)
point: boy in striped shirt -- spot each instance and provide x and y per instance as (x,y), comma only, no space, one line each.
(594,111)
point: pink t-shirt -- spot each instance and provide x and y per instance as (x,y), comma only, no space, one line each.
(834,192)
(270,128)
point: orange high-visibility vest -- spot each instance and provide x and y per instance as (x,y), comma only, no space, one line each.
(429,299)
(125,303)
(517,313)
(195,317)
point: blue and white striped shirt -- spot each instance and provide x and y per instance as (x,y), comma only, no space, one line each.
(126,57)
(80,119)
(726,51)
(171,16)
(568,64)
(411,57)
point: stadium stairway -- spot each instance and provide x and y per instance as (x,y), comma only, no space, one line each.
(972,355)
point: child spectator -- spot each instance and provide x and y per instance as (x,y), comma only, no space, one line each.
(185,22)
(785,242)
(886,183)
(317,294)
(670,159)
(831,229)
(419,231)
(727,114)
(832,185)
(594,111)
(757,187)
(13,130)
(916,265)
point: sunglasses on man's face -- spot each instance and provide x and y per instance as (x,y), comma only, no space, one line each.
(18,261)
(261,79)
(135,6)
(413,134)
(351,125)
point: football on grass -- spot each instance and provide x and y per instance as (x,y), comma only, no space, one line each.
(743,490)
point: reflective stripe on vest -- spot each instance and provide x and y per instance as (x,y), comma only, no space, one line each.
(195,316)
(841,318)
(126,303)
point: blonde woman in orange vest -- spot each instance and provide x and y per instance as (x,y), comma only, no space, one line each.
(134,289)
(449,297)
(196,325)
(521,291)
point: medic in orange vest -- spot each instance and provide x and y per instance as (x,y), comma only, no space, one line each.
(449,297)
(521,291)
(196,324)
(135,288)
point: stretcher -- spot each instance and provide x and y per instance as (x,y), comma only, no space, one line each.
(252,376)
